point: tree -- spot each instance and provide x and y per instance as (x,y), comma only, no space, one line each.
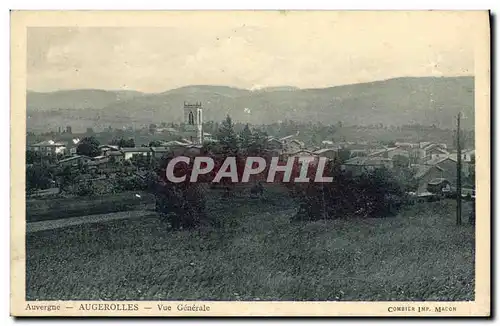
(88,146)
(140,161)
(154,143)
(374,194)
(85,188)
(258,143)
(129,143)
(117,142)
(227,137)
(37,177)
(245,138)
(123,143)
(182,205)
(66,177)
(33,157)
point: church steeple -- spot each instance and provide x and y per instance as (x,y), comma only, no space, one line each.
(193,121)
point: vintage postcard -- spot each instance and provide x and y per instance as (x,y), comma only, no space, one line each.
(250,163)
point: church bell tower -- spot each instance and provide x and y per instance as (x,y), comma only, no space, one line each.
(193,122)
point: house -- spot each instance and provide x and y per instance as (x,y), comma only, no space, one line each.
(100,158)
(209,139)
(100,162)
(395,153)
(468,156)
(330,153)
(106,149)
(73,146)
(327,143)
(406,146)
(435,151)
(468,161)
(358,146)
(287,144)
(390,152)
(448,161)
(159,152)
(426,144)
(358,153)
(174,146)
(426,173)
(292,145)
(445,168)
(115,156)
(167,130)
(129,153)
(74,161)
(359,165)
(48,147)
(300,153)
(193,150)
(437,185)
(173,151)
(174,143)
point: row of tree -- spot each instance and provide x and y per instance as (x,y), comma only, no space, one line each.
(377,194)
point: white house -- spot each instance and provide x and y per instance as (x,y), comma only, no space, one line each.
(435,151)
(49,147)
(129,153)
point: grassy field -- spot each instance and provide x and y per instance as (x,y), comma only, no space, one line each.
(259,254)
(57,208)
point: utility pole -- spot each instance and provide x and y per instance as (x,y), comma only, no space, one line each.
(324,204)
(459,174)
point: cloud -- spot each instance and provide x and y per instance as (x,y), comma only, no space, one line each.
(317,49)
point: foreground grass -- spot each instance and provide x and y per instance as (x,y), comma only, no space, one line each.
(259,254)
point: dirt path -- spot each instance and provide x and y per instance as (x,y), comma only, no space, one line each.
(98,218)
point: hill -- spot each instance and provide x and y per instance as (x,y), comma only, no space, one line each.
(76,99)
(406,100)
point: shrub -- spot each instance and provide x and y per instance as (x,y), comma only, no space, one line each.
(181,205)
(130,183)
(37,177)
(378,194)
(374,194)
(85,189)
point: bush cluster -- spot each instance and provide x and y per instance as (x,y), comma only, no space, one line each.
(181,205)
(371,194)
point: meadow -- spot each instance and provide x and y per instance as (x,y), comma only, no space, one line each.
(57,208)
(258,253)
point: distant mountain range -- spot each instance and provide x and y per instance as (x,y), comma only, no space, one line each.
(406,100)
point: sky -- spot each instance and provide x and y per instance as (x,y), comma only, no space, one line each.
(251,50)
